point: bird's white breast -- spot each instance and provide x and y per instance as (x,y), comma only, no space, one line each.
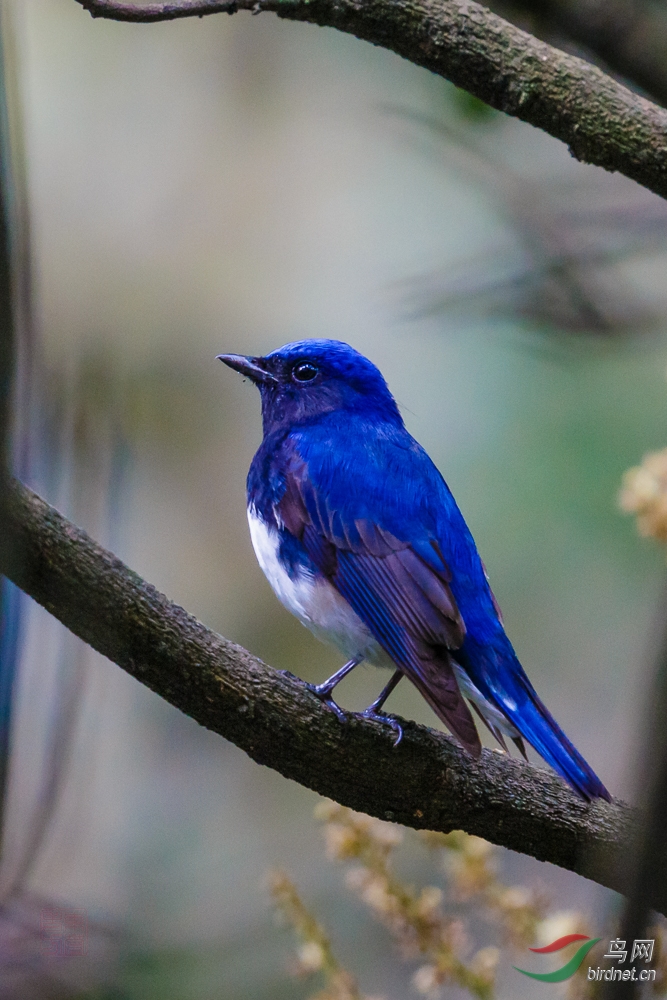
(313,600)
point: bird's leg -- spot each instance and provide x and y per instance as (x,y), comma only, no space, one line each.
(374,710)
(323,691)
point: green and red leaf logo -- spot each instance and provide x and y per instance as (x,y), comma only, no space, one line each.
(569,969)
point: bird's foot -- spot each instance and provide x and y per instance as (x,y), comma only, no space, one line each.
(387,720)
(323,692)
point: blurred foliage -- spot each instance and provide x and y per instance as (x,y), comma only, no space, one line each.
(471,108)
(644,494)
(570,268)
(415,917)
(164,402)
(432,924)
(315,954)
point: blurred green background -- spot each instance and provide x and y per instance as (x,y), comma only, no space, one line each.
(230,184)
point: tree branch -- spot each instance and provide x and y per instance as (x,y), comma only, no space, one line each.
(630,36)
(428,782)
(145,13)
(601,121)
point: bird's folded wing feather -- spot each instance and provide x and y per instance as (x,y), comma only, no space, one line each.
(406,603)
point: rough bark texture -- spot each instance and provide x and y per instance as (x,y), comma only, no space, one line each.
(630,36)
(601,121)
(427,782)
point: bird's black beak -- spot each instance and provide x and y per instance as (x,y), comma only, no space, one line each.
(252,368)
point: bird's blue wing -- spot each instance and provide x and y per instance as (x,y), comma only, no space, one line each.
(404,600)
(378,520)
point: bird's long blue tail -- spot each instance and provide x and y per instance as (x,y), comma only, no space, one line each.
(540,729)
(508,688)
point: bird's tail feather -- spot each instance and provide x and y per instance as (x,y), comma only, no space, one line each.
(538,726)
(540,729)
(436,683)
(518,700)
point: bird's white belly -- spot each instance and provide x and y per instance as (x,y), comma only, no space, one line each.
(314,601)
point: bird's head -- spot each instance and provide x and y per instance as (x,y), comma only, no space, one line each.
(309,378)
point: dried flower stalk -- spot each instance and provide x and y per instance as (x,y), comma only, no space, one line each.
(315,953)
(414,917)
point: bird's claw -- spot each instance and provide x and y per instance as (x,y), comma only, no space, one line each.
(387,720)
(323,692)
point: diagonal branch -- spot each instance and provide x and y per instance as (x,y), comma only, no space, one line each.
(428,782)
(601,121)
(629,35)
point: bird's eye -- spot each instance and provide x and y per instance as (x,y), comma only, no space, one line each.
(304,372)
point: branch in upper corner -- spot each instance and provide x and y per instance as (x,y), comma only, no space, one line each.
(428,782)
(601,121)
(629,36)
(119,10)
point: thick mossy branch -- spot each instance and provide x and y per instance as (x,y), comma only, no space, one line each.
(427,782)
(601,121)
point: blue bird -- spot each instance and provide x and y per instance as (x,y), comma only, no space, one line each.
(361,539)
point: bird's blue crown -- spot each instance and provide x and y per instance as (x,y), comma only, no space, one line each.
(308,378)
